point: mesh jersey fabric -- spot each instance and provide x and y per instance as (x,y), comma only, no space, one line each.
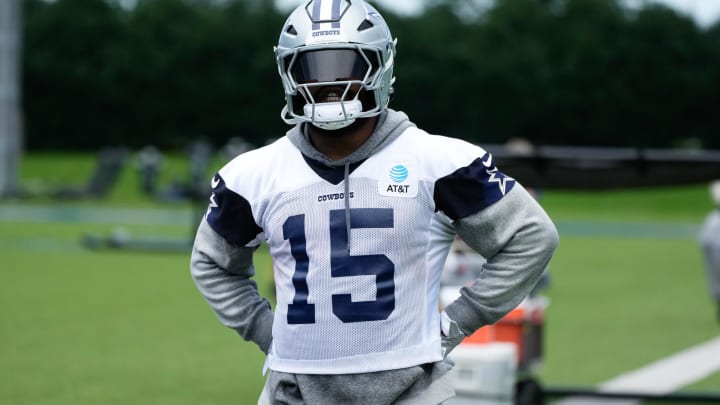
(363,299)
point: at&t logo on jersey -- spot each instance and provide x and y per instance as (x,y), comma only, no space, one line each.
(399,173)
(398,179)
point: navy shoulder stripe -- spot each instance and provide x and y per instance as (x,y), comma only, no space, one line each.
(230,215)
(471,189)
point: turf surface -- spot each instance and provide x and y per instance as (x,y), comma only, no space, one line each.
(88,327)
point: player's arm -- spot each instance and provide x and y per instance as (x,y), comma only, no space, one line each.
(222,267)
(518,239)
(497,217)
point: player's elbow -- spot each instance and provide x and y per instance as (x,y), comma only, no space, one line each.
(544,238)
(550,237)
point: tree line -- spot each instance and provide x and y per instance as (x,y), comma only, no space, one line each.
(568,72)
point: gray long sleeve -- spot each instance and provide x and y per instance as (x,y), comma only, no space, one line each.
(518,239)
(222,272)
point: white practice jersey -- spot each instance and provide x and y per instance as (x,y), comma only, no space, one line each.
(359,295)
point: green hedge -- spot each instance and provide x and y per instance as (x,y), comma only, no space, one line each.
(583,72)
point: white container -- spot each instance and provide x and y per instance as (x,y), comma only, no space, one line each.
(486,372)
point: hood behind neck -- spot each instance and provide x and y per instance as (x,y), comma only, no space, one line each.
(390,125)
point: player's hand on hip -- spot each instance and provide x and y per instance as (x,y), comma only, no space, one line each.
(450,334)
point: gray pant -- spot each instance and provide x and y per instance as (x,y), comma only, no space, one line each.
(427,384)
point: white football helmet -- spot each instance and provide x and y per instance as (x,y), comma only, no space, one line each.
(335,59)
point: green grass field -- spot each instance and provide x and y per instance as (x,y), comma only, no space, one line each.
(110,327)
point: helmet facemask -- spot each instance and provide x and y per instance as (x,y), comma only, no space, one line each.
(331,88)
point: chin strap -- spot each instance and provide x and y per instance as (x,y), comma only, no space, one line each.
(332,116)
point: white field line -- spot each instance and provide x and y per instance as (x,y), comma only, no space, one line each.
(661,377)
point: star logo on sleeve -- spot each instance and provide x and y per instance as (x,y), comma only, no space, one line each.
(495,176)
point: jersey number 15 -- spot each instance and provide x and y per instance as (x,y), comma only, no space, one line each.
(342,264)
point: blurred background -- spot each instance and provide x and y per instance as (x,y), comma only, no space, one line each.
(115,113)
(599,72)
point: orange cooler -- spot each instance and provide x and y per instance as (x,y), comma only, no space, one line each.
(523,327)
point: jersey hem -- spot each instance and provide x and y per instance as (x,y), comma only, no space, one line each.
(396,359)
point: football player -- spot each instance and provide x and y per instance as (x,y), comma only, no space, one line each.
(359,207)
(710,242)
